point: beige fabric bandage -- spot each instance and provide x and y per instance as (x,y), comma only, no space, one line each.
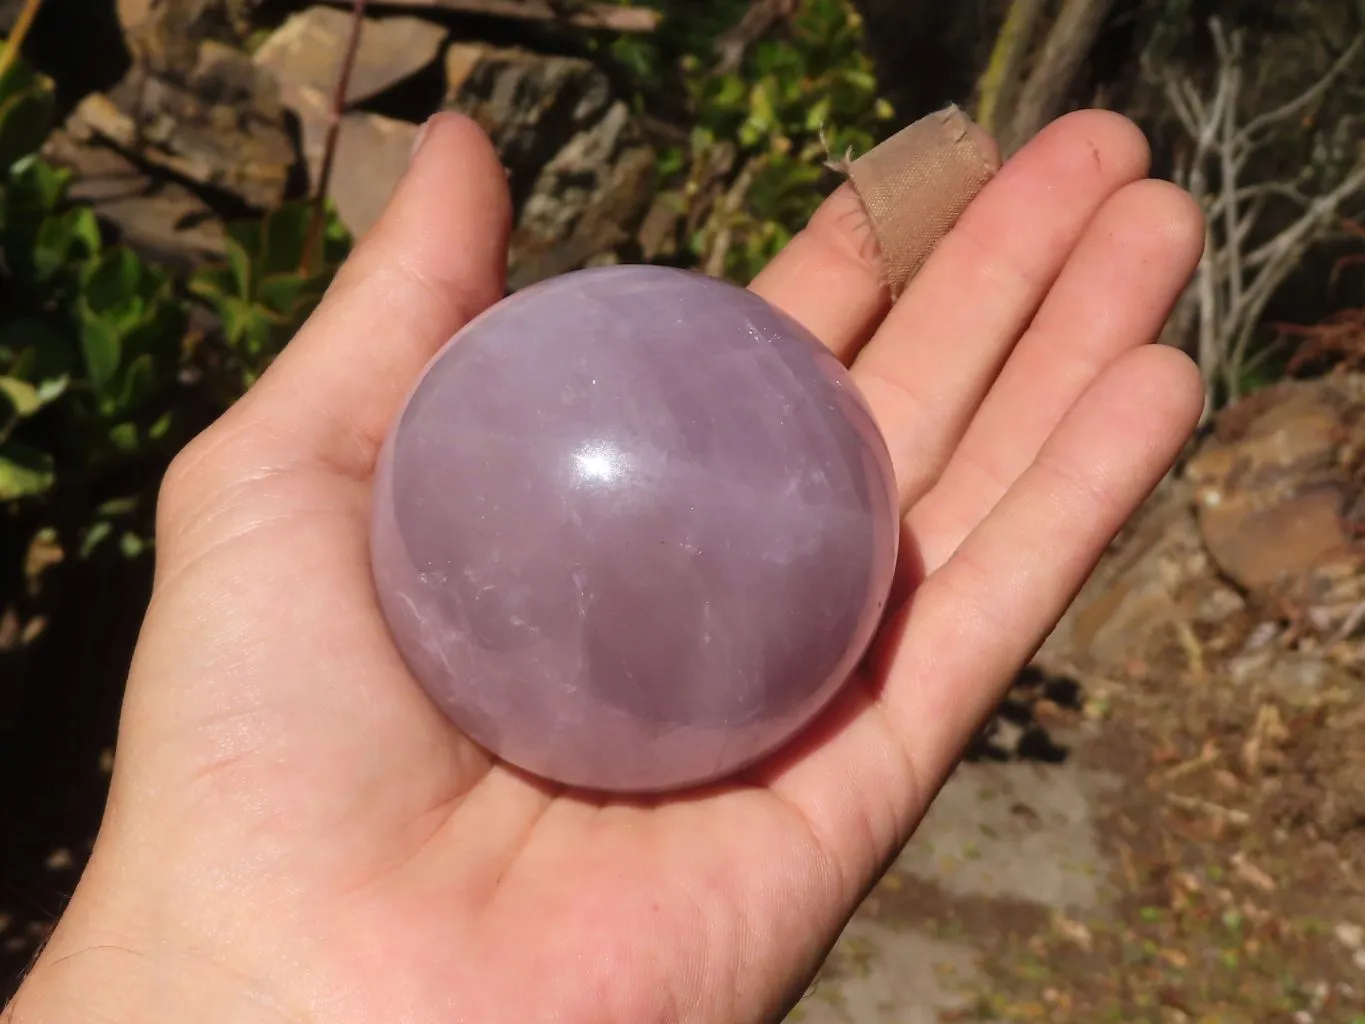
(917,183)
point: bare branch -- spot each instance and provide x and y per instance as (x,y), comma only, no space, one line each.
(1233,286)
(1280,114)
(15,42)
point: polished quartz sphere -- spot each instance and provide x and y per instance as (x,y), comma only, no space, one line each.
(633,528)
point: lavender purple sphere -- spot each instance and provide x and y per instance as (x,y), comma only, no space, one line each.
(633,529)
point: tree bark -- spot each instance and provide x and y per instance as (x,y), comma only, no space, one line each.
(1054,70)
(1008,58)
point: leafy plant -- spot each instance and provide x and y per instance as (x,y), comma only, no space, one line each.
(27,104)
(89,339)
(270,282)
(805,94)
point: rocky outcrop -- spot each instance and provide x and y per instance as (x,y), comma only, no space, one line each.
(164,35)
(217,122)
(162,219)
(580,171)
(304,56)
(1262,533)
(307,50)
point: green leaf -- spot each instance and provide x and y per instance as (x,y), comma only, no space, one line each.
(237,316)
(283,239)
(85,228)
(94,536)
(28,399)
(27,107)
(239,266)
(117,507)
(283,293)
(100,345)
(131,545)
(123,436)
(246,235)
(39,351)
(139,382)
(24,472)
(38,185)
(22,395)
(63,239)
(216,282)
(113,282)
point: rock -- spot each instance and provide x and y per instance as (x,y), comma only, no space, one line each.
(1299,680)
(307,50)
(1277,488)
(588,201)
(578,166)
(372,154)
(593,14)
(304,56)
(1155,578)
(164,35)
(1350,935)
(1267,518)
(162,219)
(220,124)
(530,105)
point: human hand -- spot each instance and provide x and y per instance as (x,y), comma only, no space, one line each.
(295,834)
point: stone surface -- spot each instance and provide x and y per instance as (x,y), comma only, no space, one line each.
(586,203)
(304,55)
(887,974)
(580,170)
(1278,490)
(220,123)
(1266,518)
(597,14)
(372,153)
(308,48)
(634,528)
(1157,577)
(160,218)
(164,35)
(1005,850)
(1016,832)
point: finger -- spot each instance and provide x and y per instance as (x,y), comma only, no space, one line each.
(933,359)
(1013,577)
(832,277)
(1115,293)
(867,773)
(829,278)
(436,259)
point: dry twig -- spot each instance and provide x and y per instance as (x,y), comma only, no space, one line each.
(1008,57)
(15,42)
(1234,283)
(313,245)
(1060,58)
(760,19)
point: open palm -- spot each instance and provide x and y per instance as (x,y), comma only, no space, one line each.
(295,834)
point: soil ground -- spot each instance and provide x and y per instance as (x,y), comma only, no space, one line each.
(1198,857)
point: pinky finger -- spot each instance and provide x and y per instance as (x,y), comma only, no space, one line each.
(976,621)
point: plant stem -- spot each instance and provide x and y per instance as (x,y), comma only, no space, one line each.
(1012,46)
(16,38)
(312,250)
